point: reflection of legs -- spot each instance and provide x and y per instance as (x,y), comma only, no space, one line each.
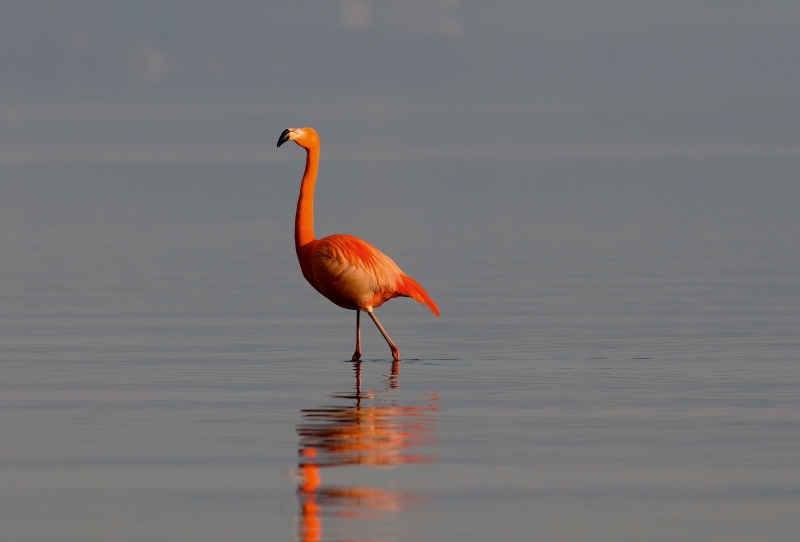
(357,354)
(357,369)
(393,383)
(395,350)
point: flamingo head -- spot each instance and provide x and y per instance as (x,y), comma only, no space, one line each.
(305,137)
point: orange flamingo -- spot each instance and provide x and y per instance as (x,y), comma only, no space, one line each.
(350,272)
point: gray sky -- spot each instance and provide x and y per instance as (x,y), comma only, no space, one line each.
(422,51)
(186,81)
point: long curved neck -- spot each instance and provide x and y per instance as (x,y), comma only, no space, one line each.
(304,219)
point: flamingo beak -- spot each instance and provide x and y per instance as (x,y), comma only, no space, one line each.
(284,137)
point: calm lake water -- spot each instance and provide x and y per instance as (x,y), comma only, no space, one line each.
(617,359)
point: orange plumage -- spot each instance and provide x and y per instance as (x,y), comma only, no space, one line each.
(350,272)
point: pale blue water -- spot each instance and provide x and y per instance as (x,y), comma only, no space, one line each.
(617,357)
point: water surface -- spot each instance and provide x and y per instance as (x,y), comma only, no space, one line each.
(617,357)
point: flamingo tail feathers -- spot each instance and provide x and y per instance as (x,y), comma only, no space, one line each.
(410,288)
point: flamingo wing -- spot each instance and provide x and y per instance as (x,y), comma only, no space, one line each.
(355,275)
(352,273)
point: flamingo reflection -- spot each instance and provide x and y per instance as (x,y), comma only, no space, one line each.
(371,429)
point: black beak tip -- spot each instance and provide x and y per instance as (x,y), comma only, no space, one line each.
(284,137)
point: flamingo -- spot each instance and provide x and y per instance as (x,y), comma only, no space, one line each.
(348,271)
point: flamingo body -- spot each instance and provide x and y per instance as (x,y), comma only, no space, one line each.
(355,275)
(350,272)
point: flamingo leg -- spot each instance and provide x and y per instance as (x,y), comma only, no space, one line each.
(357,354)
(395,350)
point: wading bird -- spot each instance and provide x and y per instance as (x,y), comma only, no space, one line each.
(350,272)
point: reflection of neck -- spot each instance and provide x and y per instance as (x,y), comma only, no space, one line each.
(304,219)
(312,524)
(311,477)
